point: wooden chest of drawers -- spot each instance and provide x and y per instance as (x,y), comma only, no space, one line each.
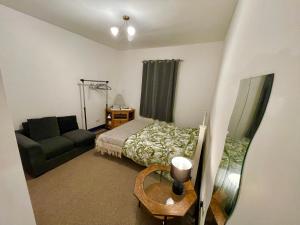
(117,117)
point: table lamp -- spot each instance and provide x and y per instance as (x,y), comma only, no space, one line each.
(181,172)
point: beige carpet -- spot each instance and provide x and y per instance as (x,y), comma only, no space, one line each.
(90,190)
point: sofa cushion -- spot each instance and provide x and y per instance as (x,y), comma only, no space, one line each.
(55,146)
(80,137)
(26,129)
(67,123)
(43,128)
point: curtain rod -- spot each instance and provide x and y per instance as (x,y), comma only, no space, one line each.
(151,60)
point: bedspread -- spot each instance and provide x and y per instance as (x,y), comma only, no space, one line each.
(159,142)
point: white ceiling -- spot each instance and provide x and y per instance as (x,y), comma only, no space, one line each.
(158,22)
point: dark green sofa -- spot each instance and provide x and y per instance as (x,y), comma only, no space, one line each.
(47,142)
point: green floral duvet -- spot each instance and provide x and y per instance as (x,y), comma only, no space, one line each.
(159,142)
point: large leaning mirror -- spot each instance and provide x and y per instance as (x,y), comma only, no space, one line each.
(249,108)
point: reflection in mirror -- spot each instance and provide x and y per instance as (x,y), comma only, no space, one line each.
(250,106)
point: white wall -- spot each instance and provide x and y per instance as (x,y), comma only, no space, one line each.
(42,64)
(263,38)
(15,205)
(196,82)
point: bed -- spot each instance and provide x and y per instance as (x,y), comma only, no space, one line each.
(147,142)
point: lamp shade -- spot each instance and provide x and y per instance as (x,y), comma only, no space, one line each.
(181,168)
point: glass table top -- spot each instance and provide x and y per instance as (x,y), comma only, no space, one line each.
(158,187)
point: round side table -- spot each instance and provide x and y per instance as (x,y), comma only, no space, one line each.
(154,192)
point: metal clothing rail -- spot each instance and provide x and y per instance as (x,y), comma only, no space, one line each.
(83,92)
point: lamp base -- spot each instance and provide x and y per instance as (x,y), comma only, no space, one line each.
(177,188)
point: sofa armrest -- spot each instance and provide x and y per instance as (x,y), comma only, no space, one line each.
(32,156)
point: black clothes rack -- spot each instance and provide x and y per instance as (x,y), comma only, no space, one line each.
(83,92)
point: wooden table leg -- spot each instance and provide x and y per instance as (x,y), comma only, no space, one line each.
(165,220)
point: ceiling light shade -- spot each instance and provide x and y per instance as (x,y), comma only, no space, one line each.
(131,30)
(130,38)
(114,31)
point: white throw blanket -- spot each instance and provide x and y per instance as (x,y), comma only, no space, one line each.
(111,142)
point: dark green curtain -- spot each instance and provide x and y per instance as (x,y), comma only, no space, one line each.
(158,89)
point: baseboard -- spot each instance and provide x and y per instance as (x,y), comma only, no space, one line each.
(102,126)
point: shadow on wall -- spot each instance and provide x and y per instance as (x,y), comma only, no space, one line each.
(119,100)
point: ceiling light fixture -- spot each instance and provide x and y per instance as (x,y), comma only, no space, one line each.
(128,29)
(114,31)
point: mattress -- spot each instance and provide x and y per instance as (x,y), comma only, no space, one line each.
(111,142)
